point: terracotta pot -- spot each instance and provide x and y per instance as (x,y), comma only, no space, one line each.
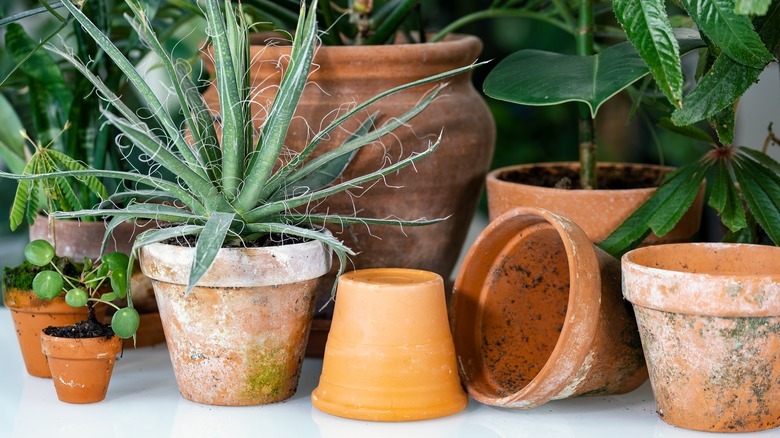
(390,355)
(81,368)
(597,212)
(79,239)
(709,316)
(537,315)
(448,183)
(238,338)
(31,315)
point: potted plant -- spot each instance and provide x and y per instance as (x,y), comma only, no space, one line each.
(543,78)
(80,356)
(237,248)
(366,50)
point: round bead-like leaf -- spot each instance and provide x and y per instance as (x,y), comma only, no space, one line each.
(47,284)
(76,297)
(117,261)
(39,252)
(125,322)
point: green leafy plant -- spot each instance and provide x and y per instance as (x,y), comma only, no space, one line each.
(234,185)
(732,59)
(89,288)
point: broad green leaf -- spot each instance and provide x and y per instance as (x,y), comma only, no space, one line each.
(38,66)
(649,30)
(209,242)
(762,196)
(671,195)
(678,202)
(764,159)
(11,140)
(533,77)
(723,84)
(724,122)
(752,7)
(386,30)
(689,131)
(725,199)
(732,33)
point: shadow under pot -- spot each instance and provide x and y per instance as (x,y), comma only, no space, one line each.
(537,315)
(622,189)
(709,317)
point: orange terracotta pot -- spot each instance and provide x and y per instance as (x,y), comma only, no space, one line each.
(537,315)
(447,184)
(238,338)
(390,354)
(597,212)
(81,368)
(709,316)
(31,315)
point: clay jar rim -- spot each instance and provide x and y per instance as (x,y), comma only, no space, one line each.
(272,265)
(495,176)
(580,321)
(670,278)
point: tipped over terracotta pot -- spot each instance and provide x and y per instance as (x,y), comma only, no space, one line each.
(537,315)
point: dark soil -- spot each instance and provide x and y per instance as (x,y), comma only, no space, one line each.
(266,240)
(83,329)
(609,178)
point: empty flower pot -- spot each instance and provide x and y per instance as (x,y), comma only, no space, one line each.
(537,315)
(709,317)
(389,354)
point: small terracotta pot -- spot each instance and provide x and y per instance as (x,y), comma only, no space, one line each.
(81,368)
(709,316)
(238,338)
(389,355)
(31,315)
(537,315)
(597,212)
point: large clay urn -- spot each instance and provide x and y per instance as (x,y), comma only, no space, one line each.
(446,184)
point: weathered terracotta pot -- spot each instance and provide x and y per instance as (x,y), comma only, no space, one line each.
(81,368)
(709,316)
(537,315)
(448,183)
(31,315)
(597,212)
(239,337)
(390,355)
(79,239)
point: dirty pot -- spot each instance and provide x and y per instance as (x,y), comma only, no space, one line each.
(81,368)
(537,315)
(239,336)
(709,317)
(597,212)
(31,315)
(390,355)
(448,184)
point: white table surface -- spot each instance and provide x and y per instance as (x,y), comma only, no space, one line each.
(144,402)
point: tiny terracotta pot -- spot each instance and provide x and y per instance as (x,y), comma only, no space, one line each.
(81,368)
(239,336)
(597,212)
(537,315)
(709,317)
(31,315)
(389,354)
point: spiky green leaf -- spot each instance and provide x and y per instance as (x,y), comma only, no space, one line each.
(209,242)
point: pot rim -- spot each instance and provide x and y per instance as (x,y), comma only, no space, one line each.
(579,322)
(247,267)
(259,39)
(728,294)
(494,175)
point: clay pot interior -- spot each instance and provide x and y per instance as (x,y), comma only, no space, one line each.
(537,315)
(390,354)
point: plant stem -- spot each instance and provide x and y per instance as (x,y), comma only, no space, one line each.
(498,13)
(584,39)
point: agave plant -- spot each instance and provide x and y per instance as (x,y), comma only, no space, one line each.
(232,184)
